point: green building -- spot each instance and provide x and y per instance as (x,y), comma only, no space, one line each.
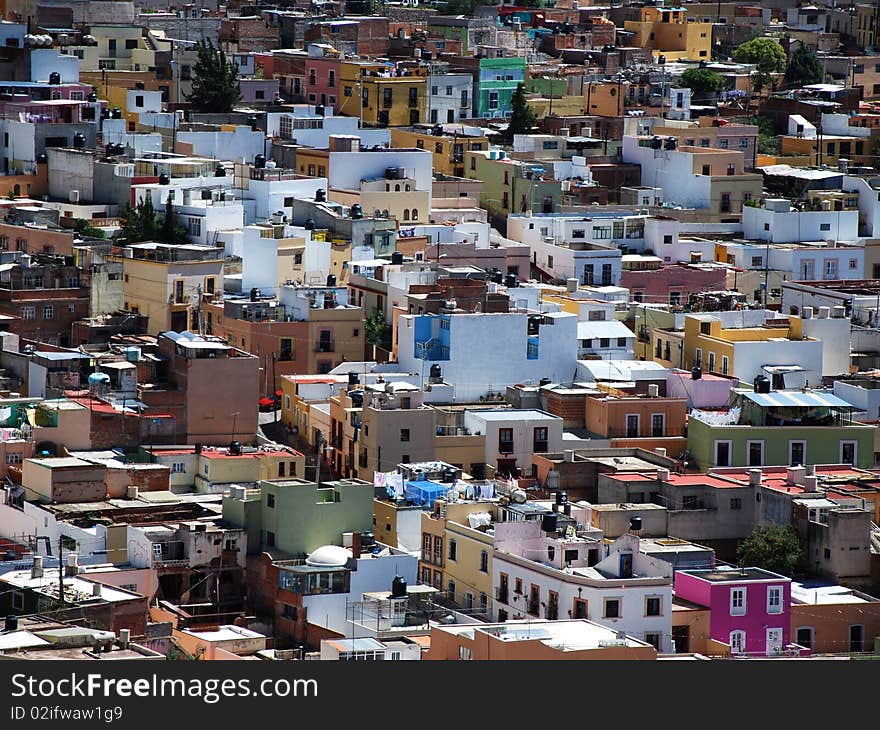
(496,82)
(780,428)
(297,516)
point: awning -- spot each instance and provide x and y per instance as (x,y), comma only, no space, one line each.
(797,399)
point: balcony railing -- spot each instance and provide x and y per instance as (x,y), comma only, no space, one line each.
(501,594)
(325,346)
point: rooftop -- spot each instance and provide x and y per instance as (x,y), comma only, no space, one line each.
(574,635)
(734,575)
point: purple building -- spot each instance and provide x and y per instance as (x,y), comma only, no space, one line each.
(749,608)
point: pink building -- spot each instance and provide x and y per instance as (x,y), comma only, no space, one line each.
(749,608)
(322,83)
(672,284)
(709,391)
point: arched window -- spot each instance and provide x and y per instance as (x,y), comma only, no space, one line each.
(406,214)
(385,213)
(415,214)
(16,190)
(377,213)
(407,187)
(397,188)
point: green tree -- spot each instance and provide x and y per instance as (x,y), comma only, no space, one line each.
(767,56)
(139,223)
(702,81)
(171,232)
(84,228)
(215,85)
(804,67)
(522,118)
(772,548)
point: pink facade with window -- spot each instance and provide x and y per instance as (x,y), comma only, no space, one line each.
(749,608)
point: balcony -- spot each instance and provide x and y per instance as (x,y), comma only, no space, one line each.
(325,346)
(501,595)
(505,447)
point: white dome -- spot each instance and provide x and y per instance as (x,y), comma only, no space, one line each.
(329,555)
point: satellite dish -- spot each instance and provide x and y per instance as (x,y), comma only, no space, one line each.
(518,496)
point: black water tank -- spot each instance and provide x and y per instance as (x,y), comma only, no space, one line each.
(561,497)
(105,113)
(255,294)
(42,158)
(397,258)
(319,110)
(357,211)
(549,522)
(357,398)
(79,141)
(511,280)
(259,162)
(635,523)
(398,587)
(220,171)
(116,113)
(140,85)
(320,195)
(395,173)
(761,384)
(544,381)
(656,142)
(310,224)
(353,379)
(671,143)
(696,373)
(93,97)
(253,123)
(164,179)
(435,371)
(11,623)
(331,279)
(235,447)
(55,78)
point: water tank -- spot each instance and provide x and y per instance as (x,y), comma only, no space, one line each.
(11,623)
(561,497)
(697,373)
(116,113)
(761,384)
(54,78)
(435,371)
(93,97)
(235,448)
(99,382)
(656,142)
(105,113)
(164,179)
(319,110)
(220,171)
(398,587)
(253,123)
(549,522)
(671,143)
(255,294)
(635,523)
(310,224)
(395,173)
(320,195)
(271,164)
(353,379)
(397,258)
(42,158)
(357,211)
(544,381)
(331,279)
(79,141)
(259,162)
(132,354)
(511,280)
(357,398)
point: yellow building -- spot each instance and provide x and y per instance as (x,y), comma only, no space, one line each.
(604,99)
(666,31)
(396,101)
(447,148)
(566,105)
(221,466)
(827,150)
(865,25)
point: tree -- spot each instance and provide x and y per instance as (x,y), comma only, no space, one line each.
(772,548)
(767,56)
(215,85)
(170,232)
(702,81)
(804,67)
(84,228)
(139,223)
(522,118)
(375,330)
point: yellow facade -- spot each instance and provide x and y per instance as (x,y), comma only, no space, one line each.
(448,149)
(667,32)
(394,102)
(603,100)
(806,152)
(564,105)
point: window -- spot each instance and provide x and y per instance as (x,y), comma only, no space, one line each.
(580,608)
(281,469)
(755,453)
(270,539)
(653,639)
(774,599)
(48,311)
(725,364)
(178,467)
(518,586)
(387,98)
(803,636)
(653,606)
(698,357)
(611,608)
(505,440)
(549,262)
(270,500)
(540,440)
(848,450)
(28,312)
(465,653)
(632,425)
(711,362)
(484,603)
(737,642)
(450,590)
(658,424)
(757,261)
(534,599)
(484,561)
(453,549)
(797,453)
(404,434)
(493,99)
(737,601)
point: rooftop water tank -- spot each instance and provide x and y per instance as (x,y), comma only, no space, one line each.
(398,587)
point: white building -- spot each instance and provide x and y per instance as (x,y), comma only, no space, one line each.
(779,222)
(450,97)
(512,436)
(485,352)
(305,127)
(609,339)
(547,576)
(238,144)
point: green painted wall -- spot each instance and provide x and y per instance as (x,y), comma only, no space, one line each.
(823,443)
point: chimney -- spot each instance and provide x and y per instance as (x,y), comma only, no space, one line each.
(838,312)
(37,567)
(568,455)
(660,451)
(356,544)
(807,313)
(96,590)
(662,475)
(810,469)
(72,565)
(132,492)
(795,475)
(755,477)
(124,638)
(811,484)
(653,390)
(571,285)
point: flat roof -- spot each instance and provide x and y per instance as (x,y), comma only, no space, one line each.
(829,594)
(563,635)
(734,575)
(512,414)
(796,399)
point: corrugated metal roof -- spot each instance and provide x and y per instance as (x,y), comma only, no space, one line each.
(797,399)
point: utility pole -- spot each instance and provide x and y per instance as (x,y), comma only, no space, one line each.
(61,569)
(274,389)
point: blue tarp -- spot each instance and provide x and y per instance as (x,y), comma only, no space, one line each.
(424,492)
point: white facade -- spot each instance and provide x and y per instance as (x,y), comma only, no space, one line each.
(610,339)
(866,399)
(778,222)
(46,60)
(450,97)
(313,130)
(521,554)
(265,197)
(487,352)
(241,144)
(348,169)
(140,100)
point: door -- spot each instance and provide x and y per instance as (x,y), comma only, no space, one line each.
(722,453)
(632,426)
(179,321)
(774,641)
(681,639)
(856,638)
